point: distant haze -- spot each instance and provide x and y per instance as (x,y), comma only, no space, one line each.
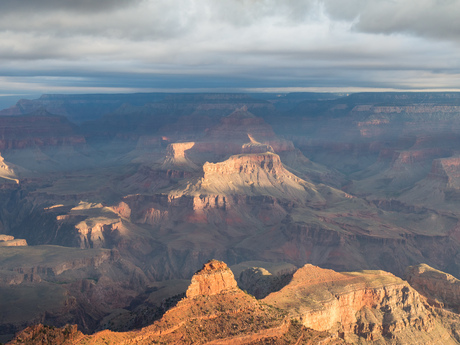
(68,46)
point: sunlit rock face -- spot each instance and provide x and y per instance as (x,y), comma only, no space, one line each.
(10,241)
(257,174)
(169,184)
(176,157)
(362,307)
(318,305)
(441,289)
(214,278)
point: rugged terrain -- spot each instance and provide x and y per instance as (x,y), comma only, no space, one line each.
(110,201)
(317,306)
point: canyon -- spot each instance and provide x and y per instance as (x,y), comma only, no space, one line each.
(111,203)
(316,306)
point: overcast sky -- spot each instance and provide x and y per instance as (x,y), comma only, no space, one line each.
(74,46)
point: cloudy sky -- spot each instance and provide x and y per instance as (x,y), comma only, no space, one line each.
(74,46)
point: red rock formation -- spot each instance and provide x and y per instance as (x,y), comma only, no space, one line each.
(257,174)
(362,307)
(214,278)
(246,164)
(441,289)
(354,308)
(122,209)
(223,314)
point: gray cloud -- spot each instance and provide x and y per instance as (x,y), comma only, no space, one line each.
(66,45)
(437,19)
(85,6)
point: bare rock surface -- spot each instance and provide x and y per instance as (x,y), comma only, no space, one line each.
(439,287)
(214,278)
(369,307)
(362,307)
(225,316)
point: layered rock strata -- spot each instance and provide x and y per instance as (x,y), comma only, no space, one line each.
(441,289)
(361,307)
(215,311)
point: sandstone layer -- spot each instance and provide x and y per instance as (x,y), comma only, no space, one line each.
(215,311)
(317,306)
(441,289)
(360,307)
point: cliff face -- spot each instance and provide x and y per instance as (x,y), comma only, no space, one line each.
(210,314)
(256,198)
(40,129)
(214,278)
(56,286)
(440,189)
(369,306)
(441,289)
(257,174)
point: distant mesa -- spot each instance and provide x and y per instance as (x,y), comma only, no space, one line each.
(242,132)
(176,157)
(257,174)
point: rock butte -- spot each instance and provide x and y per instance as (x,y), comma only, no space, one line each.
(366,181)
(356,307)
(214,278)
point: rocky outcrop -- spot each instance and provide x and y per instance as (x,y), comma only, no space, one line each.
(257,174)
(214,278)
(245,164)
(92,224)
(369,307)
(93,233)
(441,289)
(176,157)
(364,307)
(4,238)
(222,315)
(14,243)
